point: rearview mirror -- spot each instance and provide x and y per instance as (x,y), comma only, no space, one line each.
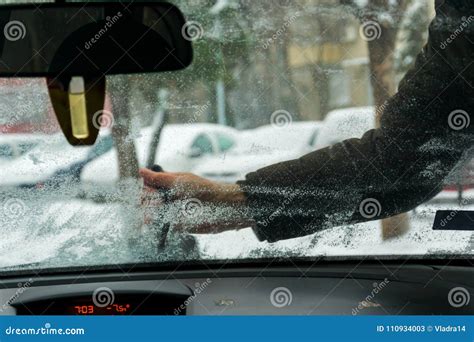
(92,39)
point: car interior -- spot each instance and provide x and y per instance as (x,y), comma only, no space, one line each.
(219,89)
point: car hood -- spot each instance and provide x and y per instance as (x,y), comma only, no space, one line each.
(36,167)
(241,164)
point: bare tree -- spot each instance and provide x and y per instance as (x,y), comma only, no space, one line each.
(118,87)
(380,22)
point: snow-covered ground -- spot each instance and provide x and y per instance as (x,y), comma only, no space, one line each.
(73,232)
(357,240)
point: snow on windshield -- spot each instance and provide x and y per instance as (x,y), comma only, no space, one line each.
(271,81)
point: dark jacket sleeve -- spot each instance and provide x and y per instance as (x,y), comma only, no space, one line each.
(425,131)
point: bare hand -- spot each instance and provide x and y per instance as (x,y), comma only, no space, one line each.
(183,186)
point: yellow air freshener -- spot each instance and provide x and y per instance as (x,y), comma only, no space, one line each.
(77,107)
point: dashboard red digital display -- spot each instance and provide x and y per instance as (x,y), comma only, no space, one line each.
(113,309)
(119,304)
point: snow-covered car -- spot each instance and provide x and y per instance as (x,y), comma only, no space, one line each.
(53,157)
(41,162)
(260,147)
(271,138)
(182,147)
(70,175)
(342,124)
(233,167)
(13,145)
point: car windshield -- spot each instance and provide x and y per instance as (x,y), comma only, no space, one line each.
(271,81)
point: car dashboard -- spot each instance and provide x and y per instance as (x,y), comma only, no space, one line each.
(378,288)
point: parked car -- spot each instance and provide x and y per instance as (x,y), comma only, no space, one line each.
(342,124)
(53,157)
(260,147)
(71,174)
(14,145)
(182,148)
(270,138)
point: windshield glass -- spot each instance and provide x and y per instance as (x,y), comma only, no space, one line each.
(271,81)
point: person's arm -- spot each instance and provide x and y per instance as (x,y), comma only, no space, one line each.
(389,170)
